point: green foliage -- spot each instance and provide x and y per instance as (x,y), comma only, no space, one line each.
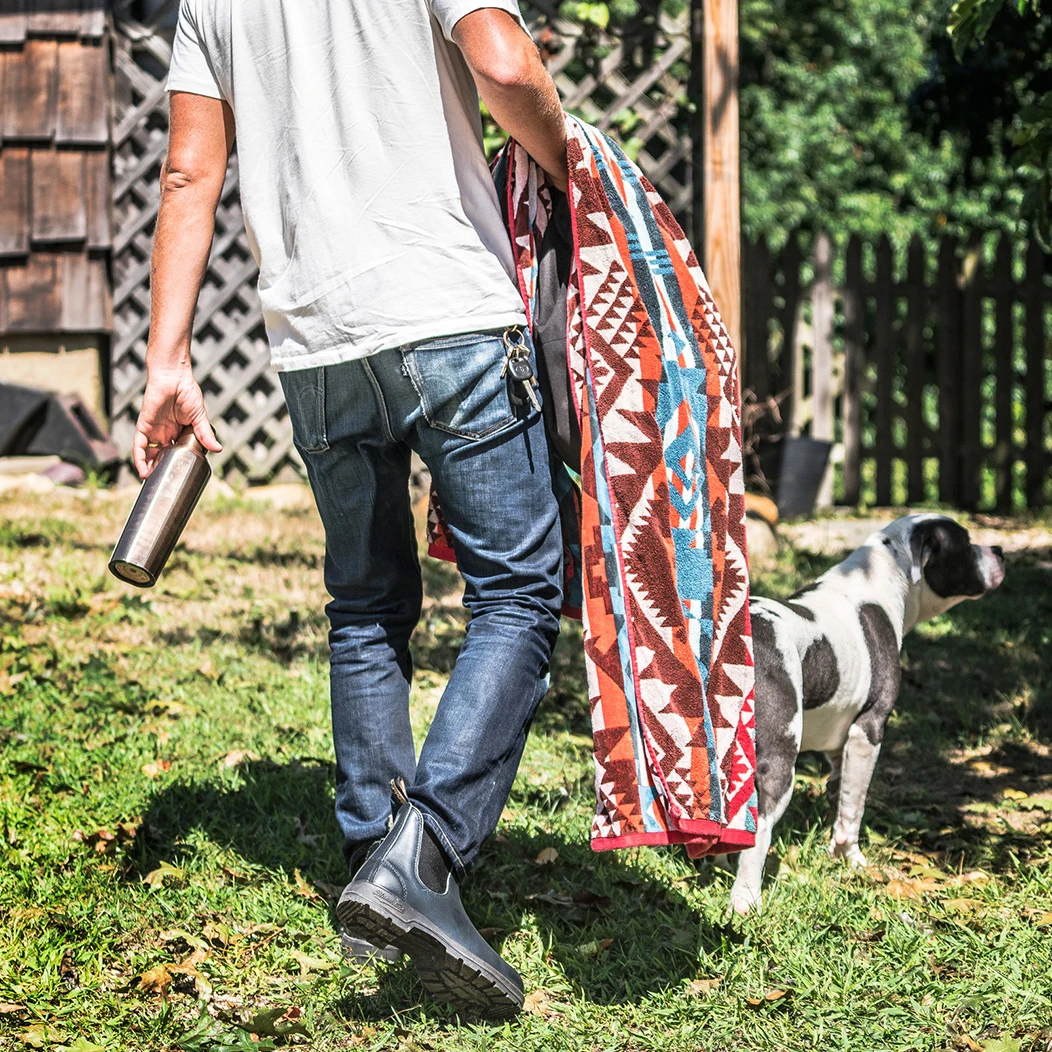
(833,129)
(1027,117)
(970,20)
(1034,142)
(856,116)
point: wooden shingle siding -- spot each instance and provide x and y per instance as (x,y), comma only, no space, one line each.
(34,293)
(53,18)
(98,193)
(12,21)
(30,91)
(82,83)
(14,201)
(57,191)
(87,304)
(56,185)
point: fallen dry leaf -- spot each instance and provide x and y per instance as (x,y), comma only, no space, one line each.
(964,905)
(102,840)
(40,1035)
(1044,921)
(312,964)
(539,1003)
(303,888)
(976,876)
(365,1036)
(189,967)
(177,935)
(156,980)
(237,756)
(969,1043)
(274,1022)
(156,878)
(902,889)
(7,1007)
(546,857)
(217,934)
(703,986)
(155,770)
(1013,794)
(770,996)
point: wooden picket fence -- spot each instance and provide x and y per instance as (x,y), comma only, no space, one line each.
(928,367)
(633,86)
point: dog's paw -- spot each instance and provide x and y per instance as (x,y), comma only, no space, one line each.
(745,901)
(849,852)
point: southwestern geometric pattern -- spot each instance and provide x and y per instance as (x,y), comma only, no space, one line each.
(662,507)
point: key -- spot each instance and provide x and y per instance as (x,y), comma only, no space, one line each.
(517,364)
(522,372)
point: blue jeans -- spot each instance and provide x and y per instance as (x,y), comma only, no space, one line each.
(356,425)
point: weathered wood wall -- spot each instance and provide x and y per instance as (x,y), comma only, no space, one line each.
(55,189)
(928,367)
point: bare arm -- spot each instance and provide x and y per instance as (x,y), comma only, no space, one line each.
(515,86)
(201,133)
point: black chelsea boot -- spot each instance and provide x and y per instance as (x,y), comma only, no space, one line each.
(389,903)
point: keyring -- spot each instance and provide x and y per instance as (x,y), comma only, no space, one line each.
(513,344)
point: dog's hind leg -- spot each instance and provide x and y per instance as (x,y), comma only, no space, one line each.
(864,736)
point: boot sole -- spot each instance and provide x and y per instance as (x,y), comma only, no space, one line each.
(451,973)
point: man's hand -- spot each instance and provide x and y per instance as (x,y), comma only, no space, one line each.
(515,86)
(201,133)
(173,401)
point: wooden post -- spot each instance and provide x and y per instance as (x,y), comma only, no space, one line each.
(1034,336)
(916,318)
(948,366)
(1004,349)
(854,367)
(972,377)
(721,163)
(822,424)
(884,356)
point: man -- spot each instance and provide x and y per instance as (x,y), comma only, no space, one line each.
(391,306)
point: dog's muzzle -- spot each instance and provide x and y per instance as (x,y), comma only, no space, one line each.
(991,565)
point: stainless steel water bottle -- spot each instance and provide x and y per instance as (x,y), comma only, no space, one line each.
(161,511)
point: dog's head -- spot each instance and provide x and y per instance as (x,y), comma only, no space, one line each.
(940,562)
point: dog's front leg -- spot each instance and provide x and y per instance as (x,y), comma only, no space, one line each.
(748,884)
(856,771)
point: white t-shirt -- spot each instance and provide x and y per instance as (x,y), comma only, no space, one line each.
(367,199)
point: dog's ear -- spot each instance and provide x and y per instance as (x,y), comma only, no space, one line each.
(924,542)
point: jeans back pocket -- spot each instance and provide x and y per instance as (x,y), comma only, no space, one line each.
(305,397)
(458,380)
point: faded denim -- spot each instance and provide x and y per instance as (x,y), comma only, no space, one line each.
(356,425)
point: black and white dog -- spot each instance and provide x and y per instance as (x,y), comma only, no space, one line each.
(828,671)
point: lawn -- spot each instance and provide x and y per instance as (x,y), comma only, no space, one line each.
(169,862)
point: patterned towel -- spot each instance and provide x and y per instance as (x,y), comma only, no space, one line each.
(660,507)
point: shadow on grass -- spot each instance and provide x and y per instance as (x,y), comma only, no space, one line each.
(279,820)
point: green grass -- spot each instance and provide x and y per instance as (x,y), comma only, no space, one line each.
(169,860)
